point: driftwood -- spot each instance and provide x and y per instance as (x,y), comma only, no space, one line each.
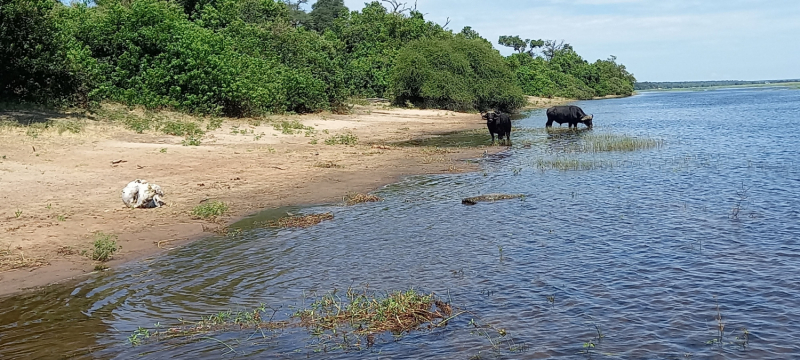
(489,198)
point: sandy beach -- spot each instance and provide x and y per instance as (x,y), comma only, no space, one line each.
(59,190)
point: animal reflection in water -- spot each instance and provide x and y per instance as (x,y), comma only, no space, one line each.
(563,139)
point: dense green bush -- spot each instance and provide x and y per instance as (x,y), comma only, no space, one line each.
(370,41)
(456,74)
(568,75)
(251,57)
(38,63)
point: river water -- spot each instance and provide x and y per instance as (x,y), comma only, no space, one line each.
(652,248)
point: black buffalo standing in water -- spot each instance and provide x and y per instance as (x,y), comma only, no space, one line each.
(500,124)
(568,114)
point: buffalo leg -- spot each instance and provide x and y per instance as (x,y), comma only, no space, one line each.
(549,123)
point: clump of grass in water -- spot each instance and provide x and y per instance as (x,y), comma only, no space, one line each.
(350,321)
(614,142)
(210,209)
(368,313)
(358,198)
(299,221)
(565,164)
(105,245)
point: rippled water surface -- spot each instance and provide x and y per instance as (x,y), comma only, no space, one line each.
(643,246)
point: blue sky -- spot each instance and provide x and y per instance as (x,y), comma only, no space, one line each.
(658,40)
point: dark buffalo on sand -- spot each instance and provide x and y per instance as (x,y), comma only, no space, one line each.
(500,124)
(570,114)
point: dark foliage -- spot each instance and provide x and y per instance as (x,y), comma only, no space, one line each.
(251,57)
(454,73)
(38,63)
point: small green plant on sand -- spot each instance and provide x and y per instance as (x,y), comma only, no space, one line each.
(345,139)
(17,213)
(105,245)
(210,209)
(291,127)
(191,140)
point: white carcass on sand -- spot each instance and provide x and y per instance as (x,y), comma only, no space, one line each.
(141,194)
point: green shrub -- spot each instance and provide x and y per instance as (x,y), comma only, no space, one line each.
(455,74)
(568,75)
(210,209)
(371,40)
(105,245)
(258,57)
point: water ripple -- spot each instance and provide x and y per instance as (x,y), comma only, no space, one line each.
(644,249)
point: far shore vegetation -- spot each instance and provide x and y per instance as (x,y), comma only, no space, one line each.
(690,85)
(247,58)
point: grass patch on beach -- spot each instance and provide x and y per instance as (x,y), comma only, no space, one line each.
(210,209)
(168,123)
(16,259)
(34,129)
(327,165)
(342,139)
(292,127)
(104,246)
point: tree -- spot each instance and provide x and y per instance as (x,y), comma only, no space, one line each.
(324,12)
(514,42)
(534,44)
(298,15)
(37,61)
(469,33)
(520,45)
(398,8)
(553,47)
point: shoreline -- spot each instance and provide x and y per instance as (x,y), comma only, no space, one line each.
(263,169)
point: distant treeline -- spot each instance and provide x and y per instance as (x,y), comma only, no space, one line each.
(646,85)
(253,57)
